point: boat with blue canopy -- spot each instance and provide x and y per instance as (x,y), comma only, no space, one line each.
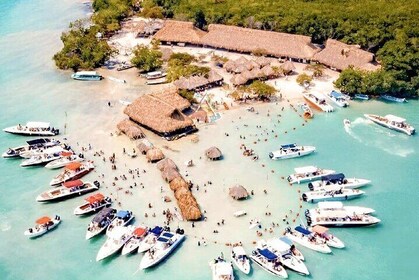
(337,181)
(100,222)
(150,239)
(305,238)
(123,218)
(269,261)
(297,253)
(338,98)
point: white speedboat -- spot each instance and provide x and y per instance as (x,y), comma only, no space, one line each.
(165,245)
(269,261)
(338,206)
(393,98)
(283,250)
(318,101)
(100,222)
(33,129)
(307,112)
(51,154)
(240,259)
(305,238)
(115,241)
(86,76)
(331,195)
(297,253)
(392,122)
(138,235)
(346,123)
(67,158)
(47,149)
(324,233)
(93,203)
(308,173)
(150,239)
(73,171)
(123,218)
(333,181)
(291,151)
(67,190)
(43,225)
(30,145)
(338,98)
(221,269)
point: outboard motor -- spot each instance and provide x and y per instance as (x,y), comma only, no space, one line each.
(310,186)
(96,183)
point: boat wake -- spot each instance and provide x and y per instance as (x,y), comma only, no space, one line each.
(4,224)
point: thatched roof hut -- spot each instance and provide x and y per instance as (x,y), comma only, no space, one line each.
(262,61)
(256,73)
(143,147)
(238,80)
(190,211)
(166,163)
(238,192)
(229,66)
(178,183)
(240,68)
(169,174)
(214,77)
(268,71)
(182,192)
(249,65)
(340,56)
(131,129)
(154,155)
(276,63)
(213,153)
(241,60)
(247,75)
(288,67)
(179,32)
(200,116)
(161,113)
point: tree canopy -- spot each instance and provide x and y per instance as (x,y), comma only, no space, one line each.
(146,59)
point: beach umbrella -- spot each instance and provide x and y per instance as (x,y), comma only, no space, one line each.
(213,153)
(288,66)
(154,155)
(267,71)
(214,77)
(238,192)
(166,163)
(169,174)
(178,183)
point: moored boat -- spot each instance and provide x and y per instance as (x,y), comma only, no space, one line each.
(318,101)
(155,75)
(307,112)
(118,237)
(283,250)
(67,157)
(165,245)
(33,129)
(331,240)
(333,181)
(393,99)
(123,218)
(87,76)
(100,222)
(221,269)
(392,122)
(291,151)
(361,96)
(150,239)
(308,173)
(331,195)
(43,225)
(240,259)
(73,171)
(339,218)
(338,98)
(138,235)
(48,149)
(297,253)
(68,190)
(51,154)
(93,203)
(269,261)
(305,238)
(31,145)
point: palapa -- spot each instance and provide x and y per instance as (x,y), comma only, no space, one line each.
(276,63)
(213,153)
(288,67)
(179,32)
(169,174)
(214,77)
(238,80)
(249,65)
(268,71)
(247,74)
(263,61)
(241,60)
(238,192)
(131,129)
(256,73)
(166,163)
(178,183)
(190,212)
(143,147)
(229,66)
(154,155)
(240,68)
(183,193)
(166,53)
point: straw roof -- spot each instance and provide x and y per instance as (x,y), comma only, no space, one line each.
(213,153)
(182,192)
(268,71)
(144,147)
(247,74)
(169,174)
(200,115)
(241,60)
(247,40)
(276,63)
(166,163)
(179,32)
(240,68)
(256,73)
(178,183)
(288,66)
(160,112)
(190,210)
(229,66)
(166,53)
(238,80)
(262,61)
(238,192)
(154,155)
(131,129)
(191,83)
(340,56)
(214,77)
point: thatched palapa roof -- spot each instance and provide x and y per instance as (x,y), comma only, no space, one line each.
(214,77)
(340,56)
(166,163)
(169,174)
(154,155)
(229,66)
(179,32)
(262,61)
(131,129)
(238,80)
(238,192)
(144,146)
(288,66)
(178,183)
(213,153)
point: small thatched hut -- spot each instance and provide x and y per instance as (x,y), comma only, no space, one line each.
(131,129)
(247,75)
(229,66)
(240,68)
(190,211)
(256,73)
(143,147)
(238,192)
(154,155)
(165,164)
(268,71)
(238,80)
(213,153)
(288,67)
(169,174)
(178,183)
(166,53)
(214,77)
(263,61)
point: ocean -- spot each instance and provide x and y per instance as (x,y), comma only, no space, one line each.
(33,89)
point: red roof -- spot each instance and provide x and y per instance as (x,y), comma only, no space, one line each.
(73,165)
(74,183)
(43,220)
(95,198)
(139,231)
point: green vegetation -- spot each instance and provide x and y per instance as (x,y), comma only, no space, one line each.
(109,13)
(146,59)
(188,94)
(82,49)
(303,79)
(262,90)
(387,28)
(317,69)
(180,66)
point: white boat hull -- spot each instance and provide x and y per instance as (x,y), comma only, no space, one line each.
(322,107)
(318,196)
(37,233)
(282,273)
(87,209)
(303,151)
(374,119)
(64,193)
(59,163)
(14,130)
(292,179)
(351,183)
(322,248)
(149,260)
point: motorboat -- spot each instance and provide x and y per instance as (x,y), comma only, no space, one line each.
(123,218)
(318,101)
(240,259)
(269,261)
(33,129)
(67,158)
(336,194)
(393,98)
(30,145)
(392,122)
(67,190)
(338,206)
(288,260)
(305,238)
(43,225)
(240,213)
(156,81)
(138,235)
(297,253)
(116,239)
(291,151)
(150,239)
(338,218)
(221,269)
(361,96)
(93,203)
(324,233)
(338,180)
(100,222)
(47,149)
(338,98)
(73,171)
(346,123)
(87,76)
(155,75)
(164,246)
(308,173)
(307,112)
(52,154)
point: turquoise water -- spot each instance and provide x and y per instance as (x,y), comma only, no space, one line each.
(31,89)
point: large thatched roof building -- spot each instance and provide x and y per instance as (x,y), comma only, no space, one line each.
(175,31)
(199,82)
(340,56)
(162,114)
